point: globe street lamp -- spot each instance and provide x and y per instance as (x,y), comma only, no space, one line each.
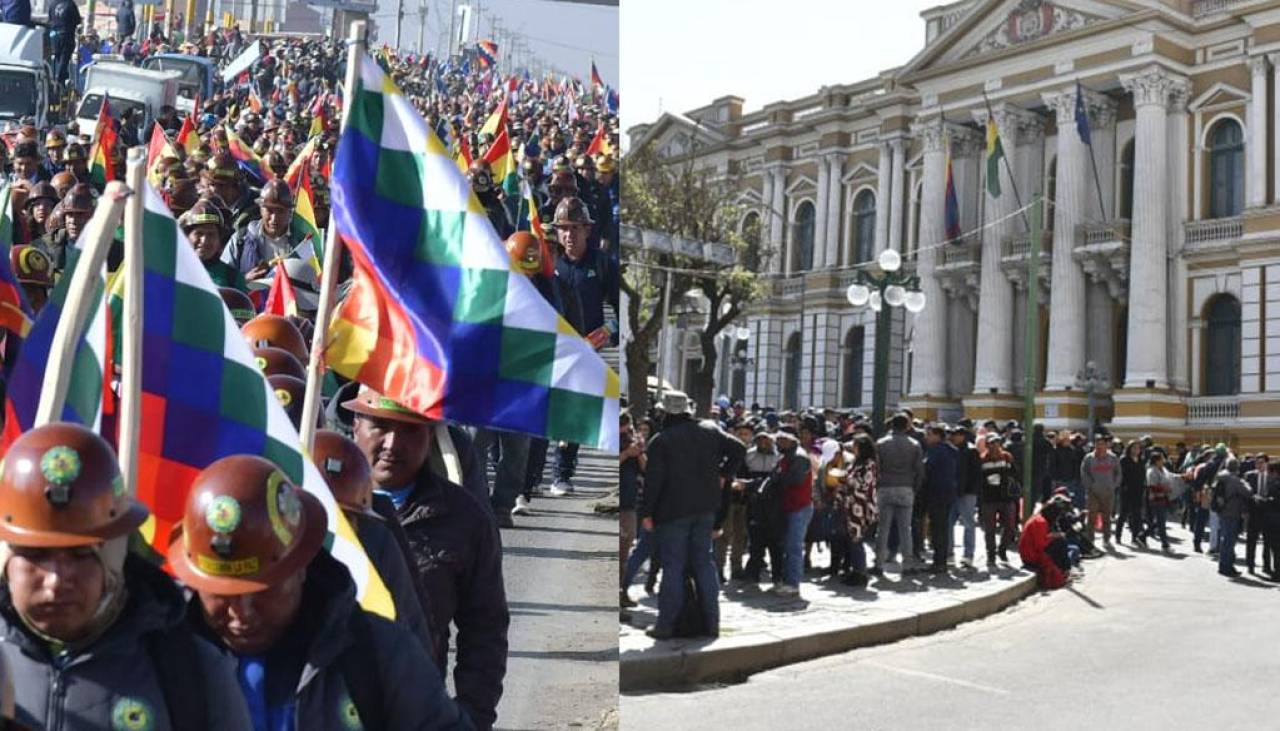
(883,291)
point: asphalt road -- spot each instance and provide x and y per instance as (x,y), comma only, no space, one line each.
(561,571)
(1143,641)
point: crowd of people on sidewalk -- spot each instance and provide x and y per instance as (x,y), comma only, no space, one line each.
(717,500)
(284,644)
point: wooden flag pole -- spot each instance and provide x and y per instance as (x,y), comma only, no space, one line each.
(97,241)
(130,424)
(332,260)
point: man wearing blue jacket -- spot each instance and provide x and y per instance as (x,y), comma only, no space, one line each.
(942,463)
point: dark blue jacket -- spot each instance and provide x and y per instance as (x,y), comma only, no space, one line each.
(594,278)
(17,12)
(941,462)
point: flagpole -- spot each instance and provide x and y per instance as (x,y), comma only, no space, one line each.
(1102,206)
(332,260)
(97,241)
(1013,181)
(130,424)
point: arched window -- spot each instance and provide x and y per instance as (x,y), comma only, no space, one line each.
(864,226)
(1125,209)
(1226,169)
(853,354)
(802,237)
(1222,346)
(751,235)
(791,374)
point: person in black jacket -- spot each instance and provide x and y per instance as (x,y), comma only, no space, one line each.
(968,483)
(1064,467)
(126,22)
(1133,490)
(688,463)
(457,553)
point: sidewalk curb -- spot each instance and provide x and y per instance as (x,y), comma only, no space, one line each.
(734,658)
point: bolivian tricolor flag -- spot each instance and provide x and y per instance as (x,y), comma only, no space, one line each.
(101,169)
(951,209)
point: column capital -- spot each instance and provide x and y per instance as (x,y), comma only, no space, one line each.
(965,141)
(1017,126)
(1258,64)
(929,132)
(1154,86)
(1100,108)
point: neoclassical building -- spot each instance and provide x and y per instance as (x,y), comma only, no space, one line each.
(1161,255)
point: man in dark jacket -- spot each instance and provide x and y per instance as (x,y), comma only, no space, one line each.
(126,22)
(942,464)
(968,482)
(457,553)
(1064,468)
(1262,516)
(251,548)
(688,464)
(90,634)
(64,19)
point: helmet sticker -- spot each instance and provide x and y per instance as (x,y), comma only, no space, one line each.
(132,714)
(283,508)
(60,465)
(349,714)
(223,514)
(284,397)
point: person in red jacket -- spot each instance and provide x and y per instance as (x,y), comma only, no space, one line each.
(1044,549)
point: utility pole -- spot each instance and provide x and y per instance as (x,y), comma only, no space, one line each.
(399,21)
(1031,376)
(422,27)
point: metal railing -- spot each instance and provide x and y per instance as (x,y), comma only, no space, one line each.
(1215,230)
(965,251)
(1213,408)
(1091,234)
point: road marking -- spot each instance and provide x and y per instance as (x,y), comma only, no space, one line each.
(939,678)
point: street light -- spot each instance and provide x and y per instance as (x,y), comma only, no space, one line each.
(894,288)
(1091,381)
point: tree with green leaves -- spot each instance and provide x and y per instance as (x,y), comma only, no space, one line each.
(675,198)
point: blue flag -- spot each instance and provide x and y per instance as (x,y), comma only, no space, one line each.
(1082,118)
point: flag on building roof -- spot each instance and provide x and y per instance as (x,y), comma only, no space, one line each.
(15,313)
(952,207)
(247,159)
(995,153)
(89,392)
(101,168)
(436,320)
(204,398)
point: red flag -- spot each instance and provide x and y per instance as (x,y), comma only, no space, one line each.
(281,299)
(599,142)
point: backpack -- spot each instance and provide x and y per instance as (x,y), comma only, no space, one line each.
(174,655)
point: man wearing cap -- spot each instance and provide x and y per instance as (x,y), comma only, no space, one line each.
(252,249)
(250,546)
(594,279)
(95,638)
(1100,477)
(457,553)
(689,462)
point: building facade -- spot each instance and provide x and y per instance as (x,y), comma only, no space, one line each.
(1160,262)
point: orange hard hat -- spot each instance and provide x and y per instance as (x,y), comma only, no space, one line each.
(275,331)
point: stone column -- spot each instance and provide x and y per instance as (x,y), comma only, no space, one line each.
(1067,288)
(835,209)
(1255,148)
(994,365)
(777,219)
(1274,58)
(929,367)
(898,193)
(884,188)
(820,218)
(1147,358)
(1179,95)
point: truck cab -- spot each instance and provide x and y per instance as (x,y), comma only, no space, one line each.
(196,80)
(25,78)
(128,88)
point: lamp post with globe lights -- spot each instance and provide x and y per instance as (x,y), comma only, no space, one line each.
(881,291)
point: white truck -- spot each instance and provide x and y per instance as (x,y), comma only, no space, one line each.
(128,88)
(25,77)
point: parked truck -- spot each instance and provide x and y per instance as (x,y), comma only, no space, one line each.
(128,88)
(25,77)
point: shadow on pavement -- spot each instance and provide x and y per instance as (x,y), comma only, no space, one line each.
(1086,599)
(544,606)
(606,655)
(567,553)
(579,531)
